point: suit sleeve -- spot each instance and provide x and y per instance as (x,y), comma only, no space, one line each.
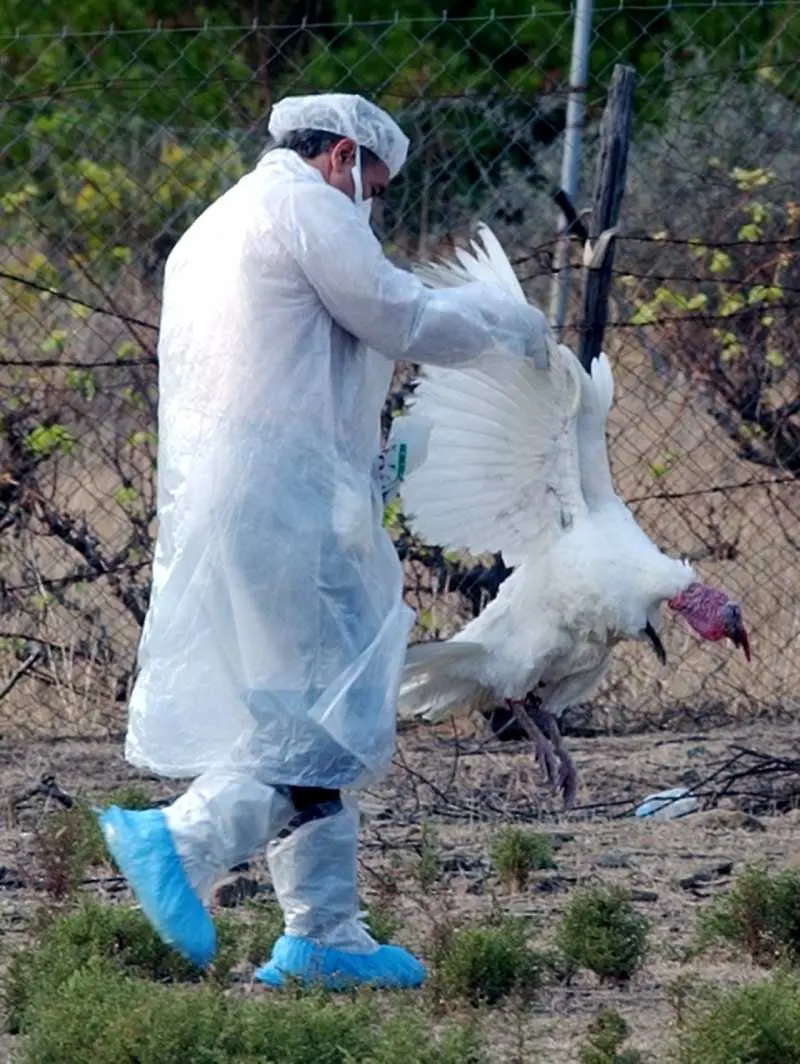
(388,308)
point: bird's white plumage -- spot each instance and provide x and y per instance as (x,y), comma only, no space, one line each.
(517,462)
(502,469)
(502,472)
(486,262)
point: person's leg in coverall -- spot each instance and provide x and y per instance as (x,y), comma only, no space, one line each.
(173,858)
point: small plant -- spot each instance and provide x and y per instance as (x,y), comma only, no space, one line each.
(261,933)
(71,842)
(382,922)
(760,914)
(516,853)
(129,796)
(428,866)
(65,847)
(488,961)
(103,1015)
(111,934)
(604,1041)
(602,931)
(756,1024)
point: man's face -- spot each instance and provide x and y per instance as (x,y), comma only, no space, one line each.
(337,169)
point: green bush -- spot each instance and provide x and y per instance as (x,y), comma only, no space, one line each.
(760,914)
(602,931)
(429,863)
(260,932)
(516,853)
(101,1015)
(118,937)
(757,1024)
(604,1042)
(488,961)
(70,841)
(382,923)
(67,845)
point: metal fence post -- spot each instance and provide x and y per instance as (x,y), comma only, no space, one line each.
(571,162)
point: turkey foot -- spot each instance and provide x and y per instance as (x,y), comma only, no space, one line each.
(546,753)
(568,774)
(542,729)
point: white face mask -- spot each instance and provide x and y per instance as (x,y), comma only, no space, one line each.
(364,206)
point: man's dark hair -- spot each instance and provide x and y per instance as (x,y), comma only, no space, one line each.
(309,143)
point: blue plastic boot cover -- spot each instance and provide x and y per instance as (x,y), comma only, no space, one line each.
(303,961)
(142,846)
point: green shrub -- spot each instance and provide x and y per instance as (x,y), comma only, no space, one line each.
(67,845)
(488,961)
(382,923)
(604,1042)
(119,937)
(760,914)
(70,841)
(129,796)
(262,931)
(98,1014)
(101,1015)
(429,864)
(516,853)
(757,1024)
(601,931)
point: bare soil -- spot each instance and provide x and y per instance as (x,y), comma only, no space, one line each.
(464,789)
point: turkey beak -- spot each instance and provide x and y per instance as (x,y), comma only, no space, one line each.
(735,629)
(656,643)
(739,638)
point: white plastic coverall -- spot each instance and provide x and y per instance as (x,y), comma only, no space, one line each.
(276,631)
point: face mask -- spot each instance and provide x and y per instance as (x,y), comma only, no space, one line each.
(364,206)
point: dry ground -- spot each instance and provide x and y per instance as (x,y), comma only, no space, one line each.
(672,868)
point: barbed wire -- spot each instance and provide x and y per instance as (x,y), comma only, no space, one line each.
(51,93)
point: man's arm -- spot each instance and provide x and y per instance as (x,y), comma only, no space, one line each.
(390,309)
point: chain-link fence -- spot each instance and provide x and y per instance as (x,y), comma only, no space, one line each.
(112,142)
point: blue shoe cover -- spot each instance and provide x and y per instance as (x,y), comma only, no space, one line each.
(299,959)
(142,846)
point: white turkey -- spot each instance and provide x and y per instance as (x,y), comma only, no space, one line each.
(517,464)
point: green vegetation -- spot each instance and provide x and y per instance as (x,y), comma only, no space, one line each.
(429,863)
(602,932)
(760,915)
(757,1024)
(488,961)
(101,988)
(517,853)
(604,1042)
(104,1016)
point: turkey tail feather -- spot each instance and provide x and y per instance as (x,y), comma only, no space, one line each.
(435,683)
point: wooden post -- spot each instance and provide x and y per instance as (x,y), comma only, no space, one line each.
(609,187)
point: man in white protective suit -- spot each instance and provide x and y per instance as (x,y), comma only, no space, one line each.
(276,633)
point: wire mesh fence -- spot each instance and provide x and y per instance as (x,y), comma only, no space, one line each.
(114,141)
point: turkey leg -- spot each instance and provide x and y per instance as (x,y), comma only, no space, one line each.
(542,729)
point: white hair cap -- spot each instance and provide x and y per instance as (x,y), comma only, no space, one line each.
(347,116)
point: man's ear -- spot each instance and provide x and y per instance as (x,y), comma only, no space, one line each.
(343,155)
